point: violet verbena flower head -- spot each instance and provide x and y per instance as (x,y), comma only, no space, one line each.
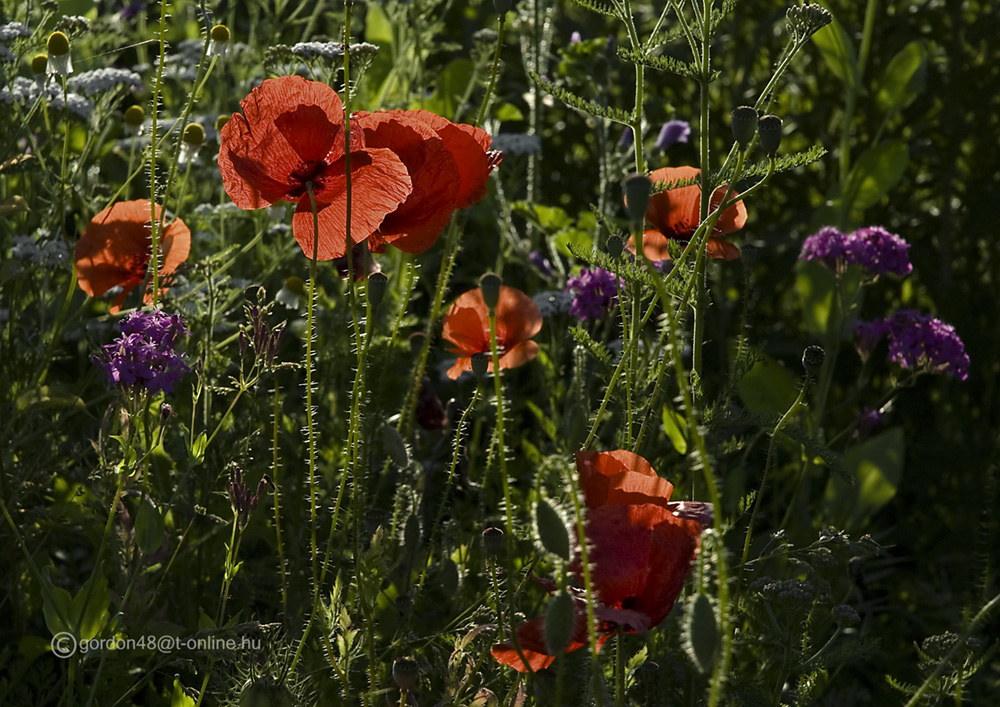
(923,343)
(594,291)
(867,335)
(144,353)
(873,248)
(673,131)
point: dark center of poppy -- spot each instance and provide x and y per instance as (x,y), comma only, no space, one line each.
(311,171)
(629,602)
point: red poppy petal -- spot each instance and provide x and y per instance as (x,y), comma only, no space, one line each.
(461,365)
(654,243)
(721,249)
(517,356)
(733,218)
(468,145)
(308,132)
(246,180)
(531,641)
(518,317)
(466,324)
(674,213)
(618,478)
(379,183)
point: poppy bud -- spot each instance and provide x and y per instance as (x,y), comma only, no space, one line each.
(480,363)
(637,188)
(701,633)
(194,135)
(265,692)
(39,63)
(490,284)
(559,620)
(134,117)
(551,529)
(769,130)
(405,672)
(616,246)
(376,288)
(59,60)
(744,125)
(502,7)
(493,541)
(416,340)
(393,443)
(812,359)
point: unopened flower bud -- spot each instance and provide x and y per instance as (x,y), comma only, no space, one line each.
(769,129)
(493,541)
(405,672)
(490,284)
(637,188)
(166,412)
(376,288)
(616,246)
(812,359)
(38,63)
(559,623)
(480,363)
(744,125)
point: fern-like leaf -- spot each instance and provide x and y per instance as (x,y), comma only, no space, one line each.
(599,352)
(664,63)
(599,6)
(782,164)
(581,104)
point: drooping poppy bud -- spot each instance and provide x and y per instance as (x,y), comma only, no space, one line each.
(812,359)
(637,188)
(744,125)
(769,129)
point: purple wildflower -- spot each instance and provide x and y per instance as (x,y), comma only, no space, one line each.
(626,139)
(594,291)
(873,248)
(673,131)
(144,353)
(575,38)
(541,262)
(924,343)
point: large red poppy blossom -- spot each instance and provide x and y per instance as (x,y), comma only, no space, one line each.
(292,133)
(642,548)
(467,327)
(116,247)
(531,641)
(448,164)
(676,213)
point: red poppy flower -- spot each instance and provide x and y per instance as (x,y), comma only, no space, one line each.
(675,215)
(467,326)
(531,641)
(448,165)
(290,134)
(115,249)
(642,549)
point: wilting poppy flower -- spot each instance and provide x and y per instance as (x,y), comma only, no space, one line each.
(675,215)
(642,547)
(116,247)
(467,326)
(291,134)
(448,164)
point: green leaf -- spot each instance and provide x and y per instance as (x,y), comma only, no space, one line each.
(874,174)
(701,633)
(815,284)
(451,85)
(579,103)
(198,449)
(675,425)
(148,527)
(878,467)
(767,389)
(572,238)
(904,78)
(508,112)
(378,28)
(57,606)
(179,698)
(90,606)
(839,54)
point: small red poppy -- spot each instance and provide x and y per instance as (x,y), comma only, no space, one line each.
(676,213)
(291,134)
(448,164)
(116,247)
(467,327)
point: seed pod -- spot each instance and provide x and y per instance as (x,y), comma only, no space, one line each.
(490,284)
(769,130)
(744,125)
(376,288)
(559,620)
(616,246)
(405,672)
(812,359)
(637,188)
(493,542)
(480,364)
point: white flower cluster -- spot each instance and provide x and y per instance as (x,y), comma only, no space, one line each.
(25,90)
(9,31)
(97,81)
(517,143)
(552,302)
(41,249)
(310,50)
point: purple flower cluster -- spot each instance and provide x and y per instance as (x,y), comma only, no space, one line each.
(673,131)
(594,290)
(144,353)
(873,248)
(918,342)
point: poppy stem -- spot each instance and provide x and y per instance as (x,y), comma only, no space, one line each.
(619,668)
(501,22)
(310,426)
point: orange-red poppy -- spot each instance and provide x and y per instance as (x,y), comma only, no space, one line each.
(467,327)
(116,247)
(448,164)
(291,134)
(642,547)
(676,213)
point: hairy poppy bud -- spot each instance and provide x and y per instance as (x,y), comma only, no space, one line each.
(395,446)
(769,129)
(194,135)
(480,363)
(552,529)
(616,246)
(405,672)
(812,359)
(490,284)
(502,7)
(559,620)
(637,188)
(265,692)
(59,60)
(376,288)
(38,63)
(744,125)
(701,633)
(493,541)
(134,116)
